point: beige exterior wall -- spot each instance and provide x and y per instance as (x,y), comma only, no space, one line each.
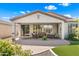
(34,19)
(5,30)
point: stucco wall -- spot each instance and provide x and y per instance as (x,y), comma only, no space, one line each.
(5,30)
(35,19)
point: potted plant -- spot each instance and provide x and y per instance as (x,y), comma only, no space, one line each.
(44,37)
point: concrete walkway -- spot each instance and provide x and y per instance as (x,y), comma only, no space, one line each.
(44,53)
(38,50)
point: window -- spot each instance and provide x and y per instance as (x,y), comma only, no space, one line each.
(74,25)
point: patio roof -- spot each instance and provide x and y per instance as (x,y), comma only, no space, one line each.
(61,17)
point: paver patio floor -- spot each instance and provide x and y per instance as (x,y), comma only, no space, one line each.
(39,46)
(40,42)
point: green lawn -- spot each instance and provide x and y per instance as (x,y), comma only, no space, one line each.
(67,50)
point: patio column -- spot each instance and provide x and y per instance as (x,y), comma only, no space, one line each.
(31,28)
(42,28)
(59,30)
(19,30)
(13,30)
(62,30)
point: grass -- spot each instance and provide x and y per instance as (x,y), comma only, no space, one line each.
(67,50)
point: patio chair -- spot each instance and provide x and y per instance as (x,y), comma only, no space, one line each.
(51,36)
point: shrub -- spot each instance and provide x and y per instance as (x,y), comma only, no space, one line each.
(74,35)
(71,36)
(8,48)
(44,37)
(75,32)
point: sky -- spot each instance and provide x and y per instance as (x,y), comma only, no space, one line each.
(9,10)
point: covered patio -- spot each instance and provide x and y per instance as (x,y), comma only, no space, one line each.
(51,30)
(38,30)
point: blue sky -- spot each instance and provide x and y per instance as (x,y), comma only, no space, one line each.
(9,10)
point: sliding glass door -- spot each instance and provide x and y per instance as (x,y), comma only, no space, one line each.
(37,28)
(25,30)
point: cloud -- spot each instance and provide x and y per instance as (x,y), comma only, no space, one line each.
(28,11)
(22,12)
(76,17)
(67,15)
(50,7)
(5,17)
(64,4)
